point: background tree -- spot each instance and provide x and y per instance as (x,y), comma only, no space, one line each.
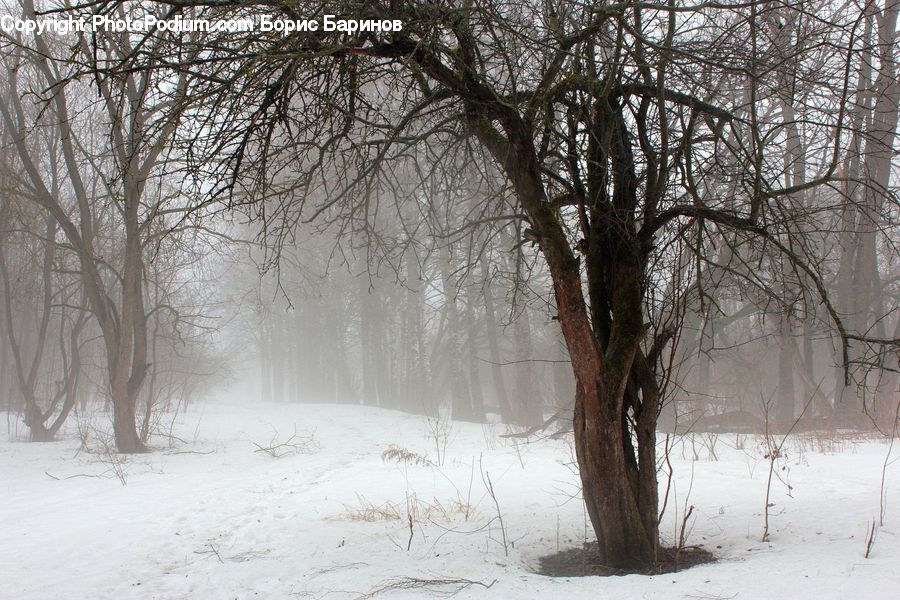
(113,144)
(42,312)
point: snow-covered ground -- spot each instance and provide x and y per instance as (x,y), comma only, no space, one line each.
(215,518)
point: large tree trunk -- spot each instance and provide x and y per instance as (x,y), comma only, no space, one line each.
(127,339)
(124,426)
(123,396)
(618,482)
(619,488)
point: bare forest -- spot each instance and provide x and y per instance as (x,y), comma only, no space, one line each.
(453,297)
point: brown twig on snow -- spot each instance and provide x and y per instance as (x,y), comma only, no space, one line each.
(870,539)
(212,550)
(292,445)
(411,532)
(415,583)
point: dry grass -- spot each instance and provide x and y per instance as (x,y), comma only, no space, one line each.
(402,455)
(370,512)
(415,508)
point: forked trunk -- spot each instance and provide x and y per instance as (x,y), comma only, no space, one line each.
(34,420)
(124,402)
(617,461)
(620,498)
(618,480)
(128,441)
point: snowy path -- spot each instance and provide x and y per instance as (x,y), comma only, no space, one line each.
(236,523)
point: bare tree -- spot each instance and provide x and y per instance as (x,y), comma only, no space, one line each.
(112,149)
(630,135)
(31,314)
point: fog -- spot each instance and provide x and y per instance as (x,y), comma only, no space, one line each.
(447,284)
(479,342)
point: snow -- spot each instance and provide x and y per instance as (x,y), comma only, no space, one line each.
(212,517)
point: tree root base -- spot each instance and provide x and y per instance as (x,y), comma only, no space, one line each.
(585,561)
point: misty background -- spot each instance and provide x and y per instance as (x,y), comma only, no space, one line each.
(597,231)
